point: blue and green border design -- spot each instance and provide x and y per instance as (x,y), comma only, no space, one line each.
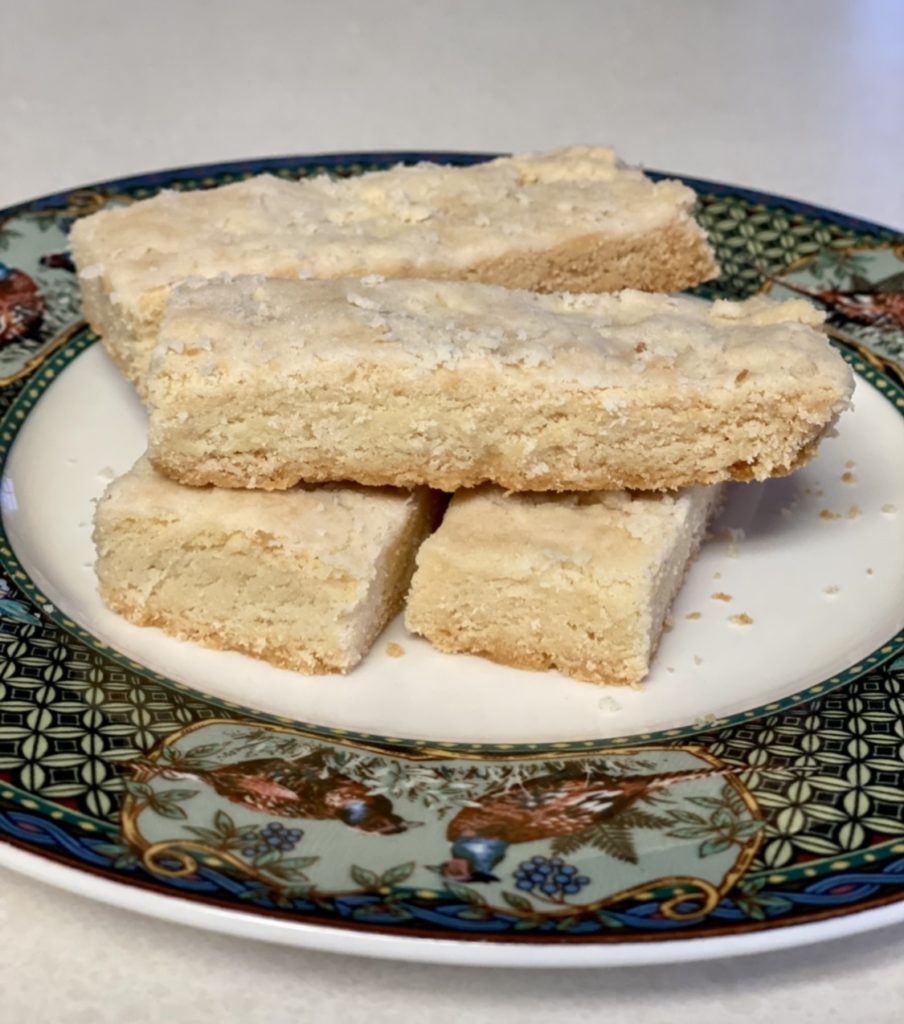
(75,715)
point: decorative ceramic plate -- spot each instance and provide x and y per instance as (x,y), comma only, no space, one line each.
(443,808)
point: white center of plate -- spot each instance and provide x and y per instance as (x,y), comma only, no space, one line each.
(819,571)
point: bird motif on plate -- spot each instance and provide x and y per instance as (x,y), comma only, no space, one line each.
(302,787)
(21,305)
(562,803)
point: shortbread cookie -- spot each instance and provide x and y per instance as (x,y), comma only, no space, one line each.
(581,583)
(305,579)
(573,220)
(262,382)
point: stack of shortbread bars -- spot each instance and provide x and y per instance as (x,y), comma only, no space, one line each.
(324,360)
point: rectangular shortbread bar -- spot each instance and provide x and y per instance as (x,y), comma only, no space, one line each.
(262,382)
(305,579)
(572,220)
(581,583)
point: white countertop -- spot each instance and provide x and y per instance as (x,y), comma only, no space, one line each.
(802,98)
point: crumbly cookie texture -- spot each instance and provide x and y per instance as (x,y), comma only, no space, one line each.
(572,220)
(305,579)
(261,382)
(577,582)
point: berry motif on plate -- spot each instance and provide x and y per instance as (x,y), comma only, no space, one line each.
(274,836)
(550,877)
